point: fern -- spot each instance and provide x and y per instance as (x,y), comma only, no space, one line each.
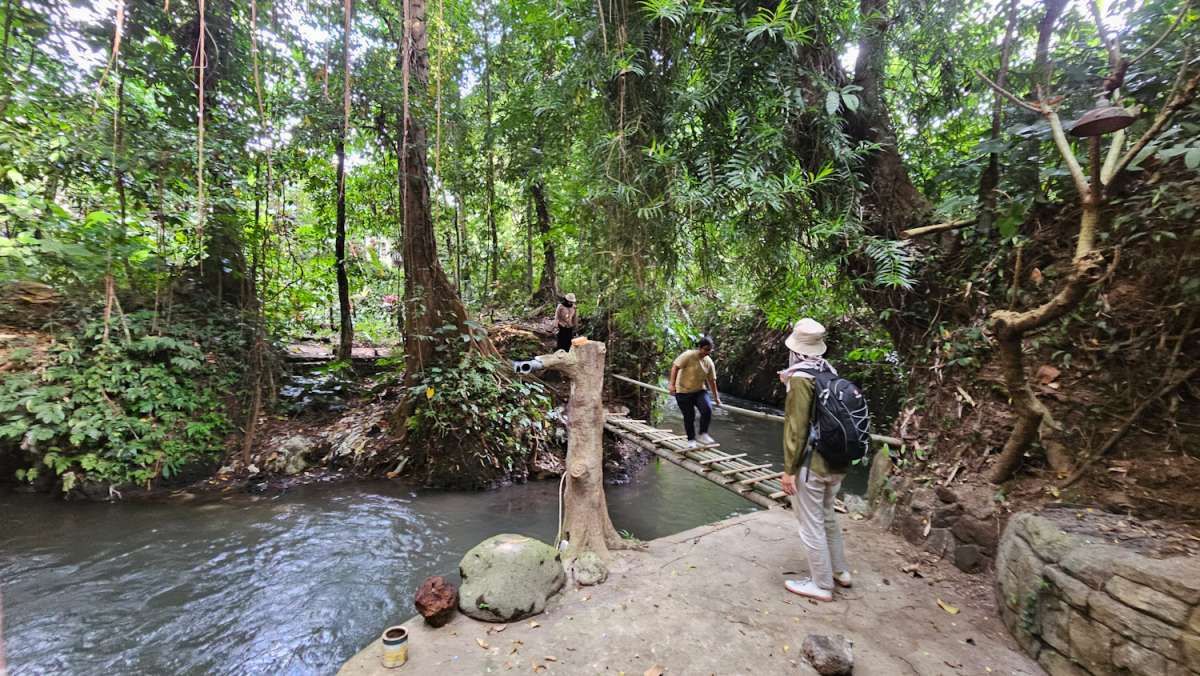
(892,260)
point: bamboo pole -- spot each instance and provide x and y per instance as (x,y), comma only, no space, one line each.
(757,415)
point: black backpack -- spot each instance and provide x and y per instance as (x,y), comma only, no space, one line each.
(840,425)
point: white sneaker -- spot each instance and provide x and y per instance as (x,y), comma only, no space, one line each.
(808,588)
(842,579)
(706,438)
(691,443)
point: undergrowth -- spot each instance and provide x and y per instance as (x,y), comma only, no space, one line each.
(120,410)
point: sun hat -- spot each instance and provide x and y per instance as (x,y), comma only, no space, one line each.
(807,338)
(571,297)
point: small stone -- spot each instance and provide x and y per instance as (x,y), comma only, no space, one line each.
(829,655)
(1138,660)
(945,495)
(1151,601)
(587,569)
(985,533)
(947,516)
(940,542)
(967,558)
(436,600)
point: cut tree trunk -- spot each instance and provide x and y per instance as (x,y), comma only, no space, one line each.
(586,524)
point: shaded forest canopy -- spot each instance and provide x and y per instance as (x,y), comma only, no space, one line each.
(915,174)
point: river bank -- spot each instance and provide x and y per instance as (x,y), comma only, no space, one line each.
(711,600)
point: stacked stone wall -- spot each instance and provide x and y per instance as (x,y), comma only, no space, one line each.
(1081,607)
(960,525)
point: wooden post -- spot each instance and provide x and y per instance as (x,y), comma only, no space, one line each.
(586,524)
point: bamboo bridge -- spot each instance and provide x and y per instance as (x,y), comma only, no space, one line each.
(757,482)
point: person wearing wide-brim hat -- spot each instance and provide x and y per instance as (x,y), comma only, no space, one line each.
(807,478)
(566,319)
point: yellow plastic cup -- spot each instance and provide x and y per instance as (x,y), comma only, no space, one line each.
(395,647)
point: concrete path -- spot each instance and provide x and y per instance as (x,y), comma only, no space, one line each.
(711,601)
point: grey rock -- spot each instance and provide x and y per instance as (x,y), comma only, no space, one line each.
(1091,644)
(1178,576)
(829,655)
(290,455)
(855,504)
(1149,632)
(1135,659)
(1074,591)
(508,577)
(947,515)
(945,494)
(982,532)
(968,558)
(940,542)
(587,569)
(1194,621)
(1056,621)
(1056,665)
(1090,564)
(1050,543)
(1190,647)
(1151,601)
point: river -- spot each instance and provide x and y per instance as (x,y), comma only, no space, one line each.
(293,583)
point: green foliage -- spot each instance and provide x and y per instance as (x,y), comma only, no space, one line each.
(479,414)
(118,412)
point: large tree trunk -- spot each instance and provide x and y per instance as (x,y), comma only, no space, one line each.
(494,253)
(430,301)
(547,291)
(891,202)
(346,333)
(989,179)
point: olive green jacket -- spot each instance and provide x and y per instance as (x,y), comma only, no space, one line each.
(796,413)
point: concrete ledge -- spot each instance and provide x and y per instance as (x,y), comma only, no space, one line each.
(711,600)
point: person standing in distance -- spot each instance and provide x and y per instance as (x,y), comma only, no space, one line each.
(566,318)
(691,372)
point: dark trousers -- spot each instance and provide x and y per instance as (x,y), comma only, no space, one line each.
(688,403)
(565,334)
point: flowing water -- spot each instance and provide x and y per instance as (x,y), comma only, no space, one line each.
(293,583)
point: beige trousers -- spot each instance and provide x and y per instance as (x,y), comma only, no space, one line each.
(819,531)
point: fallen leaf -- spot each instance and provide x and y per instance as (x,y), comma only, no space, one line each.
(653,671)
(534,624)
(947,607)
(1047,374)
(497,629)
(482,643)
(550,658)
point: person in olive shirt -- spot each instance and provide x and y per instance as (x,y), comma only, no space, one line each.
(690,373)
(810,481)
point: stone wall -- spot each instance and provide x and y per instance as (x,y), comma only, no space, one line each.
(961,525)
(1081,607)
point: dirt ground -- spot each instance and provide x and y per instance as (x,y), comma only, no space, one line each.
(711,601)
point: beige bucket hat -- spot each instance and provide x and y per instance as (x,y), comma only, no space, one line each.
(571,297)
(807,338)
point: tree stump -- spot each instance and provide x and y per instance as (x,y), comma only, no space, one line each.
(586,524)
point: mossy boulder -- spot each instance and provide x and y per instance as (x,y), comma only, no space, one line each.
(508,577)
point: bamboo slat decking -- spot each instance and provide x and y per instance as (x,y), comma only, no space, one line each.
(754,481)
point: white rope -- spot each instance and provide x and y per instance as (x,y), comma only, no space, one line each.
(561,486)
